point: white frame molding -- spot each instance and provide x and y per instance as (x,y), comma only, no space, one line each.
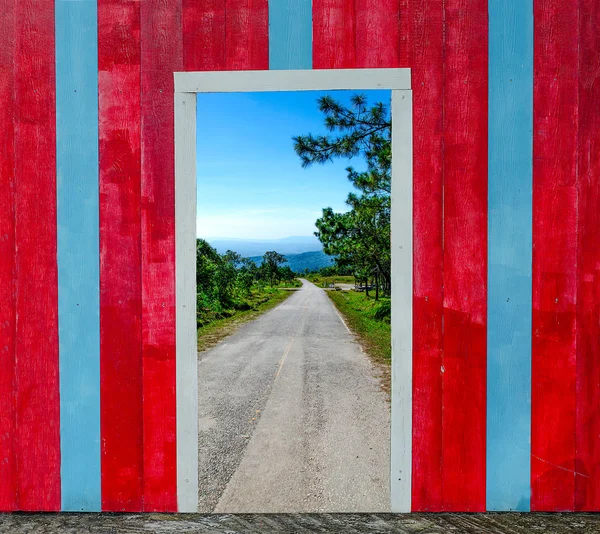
(187,85)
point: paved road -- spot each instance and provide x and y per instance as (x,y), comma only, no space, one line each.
(292,418)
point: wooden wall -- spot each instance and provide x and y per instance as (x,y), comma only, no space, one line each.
(506,361)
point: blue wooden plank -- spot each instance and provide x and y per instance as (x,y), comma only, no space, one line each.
(78,252)
(509,254)
(290,34)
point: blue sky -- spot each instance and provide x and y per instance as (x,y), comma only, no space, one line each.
(250,181)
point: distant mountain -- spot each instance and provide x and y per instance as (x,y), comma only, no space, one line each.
(312,261)
(257,247)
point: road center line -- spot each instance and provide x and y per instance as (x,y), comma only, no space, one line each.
(289,346)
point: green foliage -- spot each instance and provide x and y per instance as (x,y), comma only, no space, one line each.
(227,283)
(359,312)
(359,238)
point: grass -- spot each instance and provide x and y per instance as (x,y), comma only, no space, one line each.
(324,281)
(359,312)
(209,335)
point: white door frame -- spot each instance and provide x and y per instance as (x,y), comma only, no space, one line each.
(187,85)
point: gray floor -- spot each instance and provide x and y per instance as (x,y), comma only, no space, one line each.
(292,418)
(346,523)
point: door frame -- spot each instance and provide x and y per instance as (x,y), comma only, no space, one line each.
(187,86)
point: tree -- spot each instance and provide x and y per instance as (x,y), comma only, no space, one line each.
(271,262)
(359,238)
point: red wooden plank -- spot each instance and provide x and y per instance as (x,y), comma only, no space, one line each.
(554,255)
(37,435)
(424,53)
(8,488)
(465,255)
(334,36)
(587,465)
(377,33)
(204,45)
(247,29)
(161,55)
(120,255)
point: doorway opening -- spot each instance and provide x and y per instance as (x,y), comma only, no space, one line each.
(262,447)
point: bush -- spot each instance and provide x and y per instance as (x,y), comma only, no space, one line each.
(384,311)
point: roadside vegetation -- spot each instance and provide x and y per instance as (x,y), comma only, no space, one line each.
(368,318)
(231,290)
(359,238)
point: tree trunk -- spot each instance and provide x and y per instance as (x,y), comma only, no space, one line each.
(377,286)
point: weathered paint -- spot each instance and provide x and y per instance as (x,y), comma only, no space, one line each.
(509,254)
(78,254)
(37,426)
(160,57)
(465,262)
(290,34)
(247,27)
(553,358)
(8,471)
(425,56)
(587,464)
(120,255)
(334,34)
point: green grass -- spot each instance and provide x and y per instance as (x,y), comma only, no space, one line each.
(359,312)
(324,281)
(259,301)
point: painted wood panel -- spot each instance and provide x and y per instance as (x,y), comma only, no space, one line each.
(425,54)
(78,255)
(8,471)
(204,43)
(377,21)
(37,430)
(587,464)
(334,35)
(247,28)
(554,268)
(290,34)
(509,250)
(465,260)
(120,255)
(402,294)
(187,352)
(161,55)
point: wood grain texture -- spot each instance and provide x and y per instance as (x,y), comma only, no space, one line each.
(8,473)
(587,465)
(334,35)
(37,435)
(377,21)
(465,260)
(204,43)
(509,254)
(247,30)
(402,296)
(161,55)
(554,267)
(120,255)
(291,80)
(185,272)
(425,55)
(78,253)
(290,34)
